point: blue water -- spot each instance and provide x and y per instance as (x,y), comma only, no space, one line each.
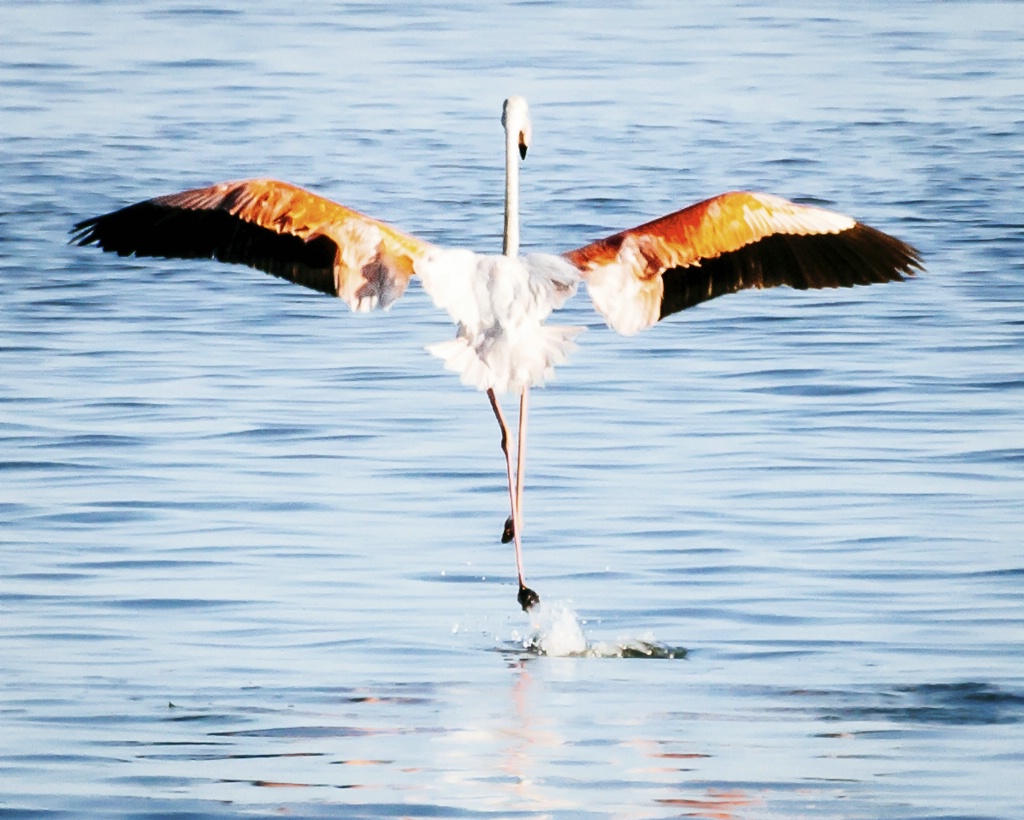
(249,558)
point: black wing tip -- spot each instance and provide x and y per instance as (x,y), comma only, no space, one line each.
(107,231)
(154,228)
(859,255)
(882,251)
(84,233)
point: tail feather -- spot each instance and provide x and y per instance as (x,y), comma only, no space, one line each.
(504,364)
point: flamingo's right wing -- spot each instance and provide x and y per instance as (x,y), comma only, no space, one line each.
(728,243)
(273,226)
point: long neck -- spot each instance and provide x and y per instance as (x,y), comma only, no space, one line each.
(510,247)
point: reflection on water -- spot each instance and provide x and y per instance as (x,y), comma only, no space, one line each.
(249,562)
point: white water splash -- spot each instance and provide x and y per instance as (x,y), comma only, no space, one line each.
(558,630)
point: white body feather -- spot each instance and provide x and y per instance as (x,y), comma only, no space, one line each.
(500,304)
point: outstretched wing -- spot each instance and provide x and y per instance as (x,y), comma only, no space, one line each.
(272,226)
(728,243)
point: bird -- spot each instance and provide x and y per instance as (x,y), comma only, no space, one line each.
(500,304)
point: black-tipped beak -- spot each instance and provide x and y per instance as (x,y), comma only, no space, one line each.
(522,149)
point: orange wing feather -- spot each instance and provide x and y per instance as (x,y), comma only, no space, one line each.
(272,226)
(727,243)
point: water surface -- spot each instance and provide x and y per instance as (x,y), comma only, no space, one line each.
(249,558)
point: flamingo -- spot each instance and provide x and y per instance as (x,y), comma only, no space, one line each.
(499,304)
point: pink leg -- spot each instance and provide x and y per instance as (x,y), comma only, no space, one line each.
(506,536)
(521,459)
(527,597)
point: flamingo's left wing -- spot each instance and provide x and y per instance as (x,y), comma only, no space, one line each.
(273,226)
(728,243)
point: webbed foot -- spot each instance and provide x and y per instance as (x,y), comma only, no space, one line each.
(527,598)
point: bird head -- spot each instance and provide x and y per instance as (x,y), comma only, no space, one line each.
(515,116)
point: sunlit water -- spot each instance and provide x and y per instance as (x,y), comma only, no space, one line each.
(249,542)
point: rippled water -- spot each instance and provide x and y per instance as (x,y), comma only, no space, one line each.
(249,558)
